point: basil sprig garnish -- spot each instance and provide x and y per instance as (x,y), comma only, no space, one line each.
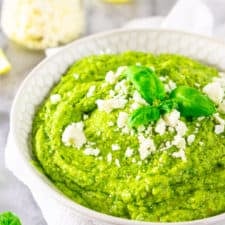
(144,115)
(146,83)
(189,101)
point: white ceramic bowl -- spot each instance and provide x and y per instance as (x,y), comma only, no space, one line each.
(56,207)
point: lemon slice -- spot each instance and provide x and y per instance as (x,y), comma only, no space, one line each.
(5,66)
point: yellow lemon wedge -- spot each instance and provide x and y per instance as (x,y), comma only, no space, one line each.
(5,66)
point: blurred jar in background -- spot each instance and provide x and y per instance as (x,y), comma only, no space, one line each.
(117,1)
(40,24)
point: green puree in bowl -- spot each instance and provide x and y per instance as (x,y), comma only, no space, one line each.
(172,169)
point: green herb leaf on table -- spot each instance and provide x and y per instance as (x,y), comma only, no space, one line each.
(146,83)
(191,102)
(8,218)
(143,116)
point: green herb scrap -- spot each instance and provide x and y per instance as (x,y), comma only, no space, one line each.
(8,218)
(189,101)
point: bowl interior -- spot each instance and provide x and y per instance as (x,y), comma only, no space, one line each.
(46,74)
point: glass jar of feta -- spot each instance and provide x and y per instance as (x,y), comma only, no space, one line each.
(38,24)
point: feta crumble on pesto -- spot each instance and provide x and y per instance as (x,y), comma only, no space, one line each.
(152,156)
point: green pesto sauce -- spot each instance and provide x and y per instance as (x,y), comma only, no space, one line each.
(161,188)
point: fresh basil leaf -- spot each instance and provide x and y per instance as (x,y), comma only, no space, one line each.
(146,83)
(7,218)
(167,106)
(143,116)
(191,102)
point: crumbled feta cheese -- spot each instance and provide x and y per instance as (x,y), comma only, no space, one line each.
(134,106)
(138,99)
(138,177)
(148,130)
(221,74)
(219,129)
(104,84)
(163,78)
(125,130)
(129,152)
(152,68)
(172,85)
(179,142)
(172,118)
(73,135)
(146,147)
(115,147)
(179,154)
(141,128)
(76,76)
(85,117)
(181,128)
(117,162)
(196,130)
(122,119)
(55,98)
(200,118)
(116,129)
(220,79)
(197,85)
(214,91)
(110,124)
(160,127)
(109,157)
(132,132)
(92,151)
(167,88)
(221,107)
(89,143)
(122,87)
(218,119)
(168,144)
(110,104)
(190,139)
(120,70)
(110,77)
(91,91)
(112,93)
